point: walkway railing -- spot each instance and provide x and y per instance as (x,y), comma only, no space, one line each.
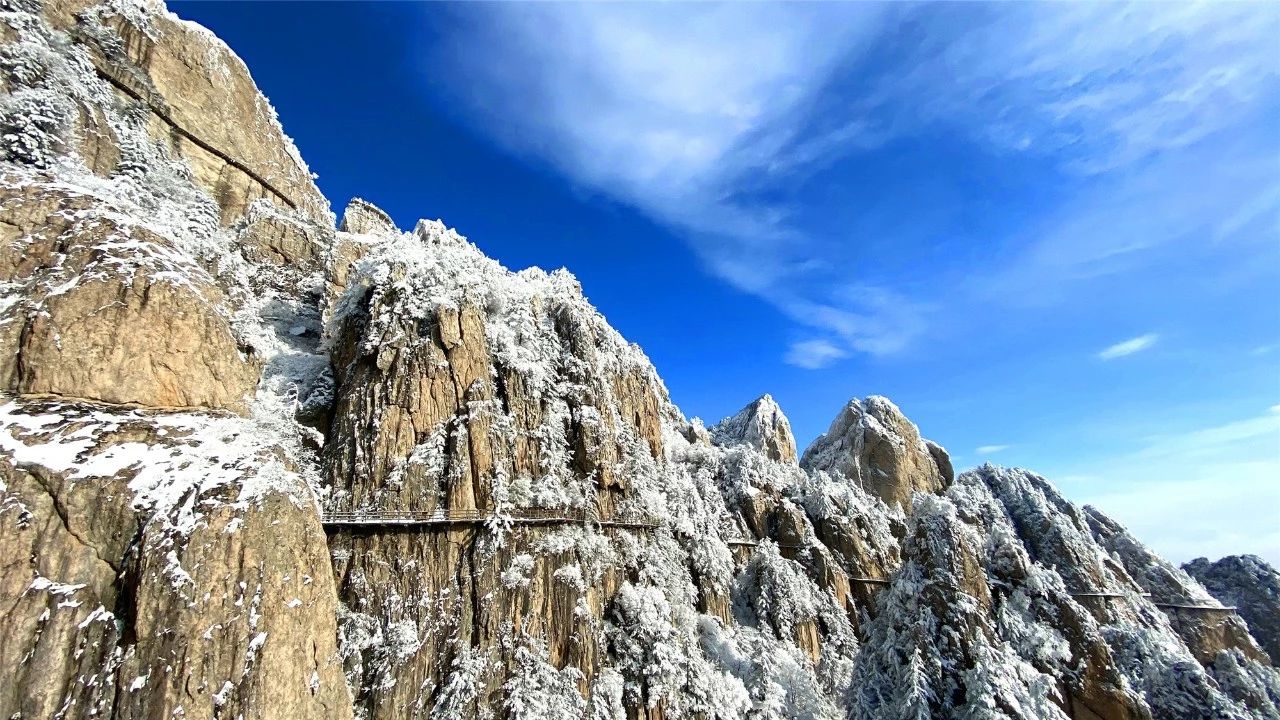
(551,516)
(1164,605)
(444,518)
(1180,606)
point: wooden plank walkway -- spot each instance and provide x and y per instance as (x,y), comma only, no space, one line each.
(1210,608)
(443,519)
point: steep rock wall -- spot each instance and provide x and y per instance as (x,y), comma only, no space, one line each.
(611,559)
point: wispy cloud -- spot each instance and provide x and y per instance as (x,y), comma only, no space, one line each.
(703,116)
(813,354)
(990,449)
(1210,491)
(1128,347)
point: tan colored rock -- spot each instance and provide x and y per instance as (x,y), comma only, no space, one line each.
(1252,586)
(874,445)
(434,413)
(250,630)
(65,544)
(434,386)
(1206,633)
(362,217)
(273,238)
(806,638)
(202,102)
(116,602)
(110,311)
(177,351)
(434,597)
(762,426)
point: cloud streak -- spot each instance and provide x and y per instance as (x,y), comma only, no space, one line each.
(1208,491)
(704,116)
(813,354)
(1128,347)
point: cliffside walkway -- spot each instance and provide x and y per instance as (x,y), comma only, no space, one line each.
(1207,608)
(336,521)
(523,516)
(1163,605)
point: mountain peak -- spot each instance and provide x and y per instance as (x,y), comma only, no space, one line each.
(762,425)
(872,443)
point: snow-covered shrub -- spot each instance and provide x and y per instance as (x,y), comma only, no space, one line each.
(536,690)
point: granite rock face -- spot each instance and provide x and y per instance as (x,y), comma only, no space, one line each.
(165,556)
(1250,584)
(762,426)
(82,272)
(253,465)
(874,445)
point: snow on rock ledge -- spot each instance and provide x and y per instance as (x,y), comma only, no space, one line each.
(154,553)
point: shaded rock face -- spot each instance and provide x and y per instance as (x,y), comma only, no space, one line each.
(196,366)
(1250,584)
(1206,633)
(871,443)
(762,426)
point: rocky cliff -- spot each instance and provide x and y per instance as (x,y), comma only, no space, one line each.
(1249,584)
(253,465)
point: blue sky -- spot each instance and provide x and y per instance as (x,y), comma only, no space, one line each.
(1049,232)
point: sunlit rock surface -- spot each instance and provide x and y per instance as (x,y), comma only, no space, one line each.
(200,372)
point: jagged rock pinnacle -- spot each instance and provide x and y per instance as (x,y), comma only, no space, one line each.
(873,444)
(761,425)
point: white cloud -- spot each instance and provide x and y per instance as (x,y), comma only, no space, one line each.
(1128,347)
(1104,85)
(813,354)
(702,116)
(990,449)
(1211,491)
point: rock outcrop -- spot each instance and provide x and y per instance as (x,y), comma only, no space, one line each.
(872,444)
(79,271)
(199,101)
(256,466)
(168,559)
(762,426)
(160,562)
(1248,583)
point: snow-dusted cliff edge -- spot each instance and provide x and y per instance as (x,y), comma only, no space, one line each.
(198,366)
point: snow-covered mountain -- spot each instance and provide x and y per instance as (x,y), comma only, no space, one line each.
(259,463)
